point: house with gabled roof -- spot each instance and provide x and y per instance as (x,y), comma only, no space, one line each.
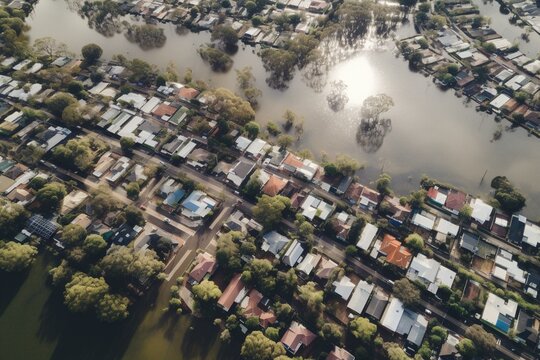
(499,313)
(360,296)
(251,306)
(293,254)
(239,173)
(368,234)
(343,287)
(234,293)
(297,336)
(326,267)
(339,354)
(205,266)
(395,253)
(274,242)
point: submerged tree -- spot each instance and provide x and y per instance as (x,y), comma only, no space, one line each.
(372,129)
(337,98)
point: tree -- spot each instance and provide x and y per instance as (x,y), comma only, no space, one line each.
(383,184)
(362,329)
(76,155)
(50,196)
(94,244)
(73,235)
(258,347)
(123,262)
(280,64)
(84,292)
(395,352)
(12,218)
(287,282)
(127,143)
(218,60)
(259,273)
(313,301)
(61,274)
(252,129)
(269,210)
(228,252)
(112,308)
(284,141)
(16,257)
(91,53)
(406,291)
(414,242)
(133,189)
(48,48)
(59,101)
(485,342)
(510,199)
(230,107)
(226,35)
(102,203)
(465,212)
(133,215)
(467,349)
(272,333)
(253,186)
(141,71)
(331,333)
(206,294)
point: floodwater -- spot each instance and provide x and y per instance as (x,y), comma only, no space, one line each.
(432,132)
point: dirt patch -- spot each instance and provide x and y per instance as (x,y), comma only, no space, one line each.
(482,265)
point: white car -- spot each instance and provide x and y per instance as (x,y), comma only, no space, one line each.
(167,221)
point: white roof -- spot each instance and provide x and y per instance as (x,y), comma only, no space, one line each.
(366,237)
(531,234)
(360,296)
(423,221)
(137,100)
(344,287)
(150,105)
(293,253)
(511,267)
(481,211)
(445,277)
(309,263)
(257,147)
(392,314)
(446,227)
(128,129)
(242,143)
(423,267)
(313,206)
(98,88)
(496,306)
(499,101)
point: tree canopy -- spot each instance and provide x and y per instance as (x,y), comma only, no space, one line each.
(50,196)
(16,257)
(112,308)
(362,329)
(230,107)
(506,194)
(258,347)
(206,294)
(414,242)
(12,218)
(91,53)
(485,342)
(84,292)
(406,291)
(269,210)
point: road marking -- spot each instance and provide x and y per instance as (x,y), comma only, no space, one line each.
(178,264)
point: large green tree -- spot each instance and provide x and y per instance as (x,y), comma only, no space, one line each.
(362,329)
(269,210)
(12,218)
(16,257)
(258,347)
(230,107)
(91,53)
(58,102)
(206,294)
(84,292)
(406,291)
(50,196)
(485,342)
(112,307)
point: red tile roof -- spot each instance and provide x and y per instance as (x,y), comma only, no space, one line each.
(231,292)
(455,200)
(251,308)
(353,192)
(188,93)
(395,253)
(206,264)
(164,109)
(296,336)
(274,185)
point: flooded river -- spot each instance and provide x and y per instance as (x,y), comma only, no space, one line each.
(433,132)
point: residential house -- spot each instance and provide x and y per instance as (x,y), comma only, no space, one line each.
(397,213)
(353,193)
(416,334)
(533,284)
(73,200)
(240,172)
(197,206)
(527,329)
(339,353)
(39,226)
(499,313)
(274,185)
(343,287)
(274,242)
(309,263)
(430,273)
(118,170)
(251,306)
(297,335)
(360,297)
(242,143)
(105,162)
(205,266)
(455,200)
(377,304)
(313,207)
(51,137)
(304,169)
(369,233)
(125,234)
(481,212)
(20,196)
(257,149)
(325,269)
(341,223)
(293,254)
(446,228)
(505,268)
(395,253)
(369,199)
(392,314)
(517,229)
(499,227)
(436,196)
(82,220)
(449,349)
(234,293)
(469,242)
(424,220)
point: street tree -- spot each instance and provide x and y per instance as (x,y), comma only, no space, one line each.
(406,291)
(16,257)
(484,342)
(467,349)
(112,308)
(362,329)
(258,347)
(84,292)
(127,143)
(269,210)
(133,189)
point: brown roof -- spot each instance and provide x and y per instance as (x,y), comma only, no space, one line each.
(455,200)
(293,160)
(353,192)
(370,194)
(274,185)
(399,211)
(395,253)
(206,264)
(251,308)
(188,93)
(19,194)
(339,354)
(325,269)
(231,292)
(164,109)
(296,336)
(15,171)
(82,220)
